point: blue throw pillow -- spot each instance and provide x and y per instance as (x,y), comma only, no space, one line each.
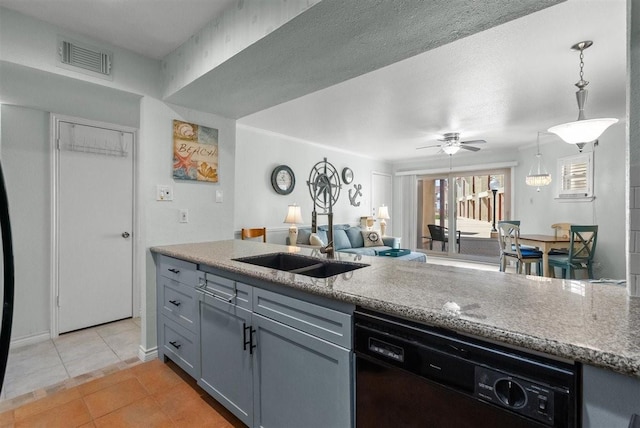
(355,237)
(322,234)
(340,239)
(303,236)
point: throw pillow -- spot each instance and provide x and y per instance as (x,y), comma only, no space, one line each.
(314,239)
(372,238)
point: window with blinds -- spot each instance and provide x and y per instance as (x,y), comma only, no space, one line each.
(575,177)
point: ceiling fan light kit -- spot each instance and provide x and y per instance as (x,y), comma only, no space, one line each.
(450,149)
(582,130)
(452,144)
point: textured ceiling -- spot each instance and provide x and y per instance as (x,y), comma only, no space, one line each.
(151,28)
(489,70)
(502,85)
(334,41)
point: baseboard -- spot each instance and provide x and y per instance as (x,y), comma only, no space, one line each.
(147,354)
(30,340)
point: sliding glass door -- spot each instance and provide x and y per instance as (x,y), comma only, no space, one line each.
(457,212)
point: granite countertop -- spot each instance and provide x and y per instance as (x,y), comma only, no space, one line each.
(594,323)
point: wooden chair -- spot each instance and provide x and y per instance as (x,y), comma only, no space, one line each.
(508,238)
(582,248)
(254,233)
(439,233)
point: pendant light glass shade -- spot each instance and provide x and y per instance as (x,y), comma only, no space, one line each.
(582,130)
(451,149)
(538,175)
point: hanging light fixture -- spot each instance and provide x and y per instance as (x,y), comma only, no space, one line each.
(450,149)
(538,175)
(582,130)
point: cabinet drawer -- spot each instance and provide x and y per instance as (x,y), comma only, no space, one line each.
(179,344)
(178,270)
(319,321)
(226,289)
(178,302)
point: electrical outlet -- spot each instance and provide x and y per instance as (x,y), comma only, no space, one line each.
(164,193)
(184,216)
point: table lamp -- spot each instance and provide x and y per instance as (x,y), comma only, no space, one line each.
(383,214)
(294,216)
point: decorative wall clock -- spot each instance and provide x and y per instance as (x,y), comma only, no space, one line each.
(283,180)
(347,175)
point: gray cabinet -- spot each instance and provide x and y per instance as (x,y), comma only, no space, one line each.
(226,354)
(178,313)
(274,359)
(299,380)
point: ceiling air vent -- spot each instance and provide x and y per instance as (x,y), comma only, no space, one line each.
(90,59)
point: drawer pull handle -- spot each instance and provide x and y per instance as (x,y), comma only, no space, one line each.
(252,346)
(175,302)
(244,336)
(176,271)
(175,344)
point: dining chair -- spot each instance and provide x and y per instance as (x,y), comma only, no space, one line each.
(560,230)
(440,233)
(254,233)
(582,248)
(509,240)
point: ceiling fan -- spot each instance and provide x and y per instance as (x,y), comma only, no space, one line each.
(451,144)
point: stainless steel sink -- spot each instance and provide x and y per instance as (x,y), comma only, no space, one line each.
(303,265)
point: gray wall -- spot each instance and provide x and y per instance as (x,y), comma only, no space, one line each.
(633,240)
(26,166)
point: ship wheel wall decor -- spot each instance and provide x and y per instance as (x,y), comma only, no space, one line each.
(324,185)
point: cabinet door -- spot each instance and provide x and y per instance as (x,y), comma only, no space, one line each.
(226,367)
(299,380)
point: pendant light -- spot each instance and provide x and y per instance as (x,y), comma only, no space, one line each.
(582,130)
(538,175)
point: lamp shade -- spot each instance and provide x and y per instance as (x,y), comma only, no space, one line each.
(294,215)
(494,184)
(582,131)
(383,212)
(450,149)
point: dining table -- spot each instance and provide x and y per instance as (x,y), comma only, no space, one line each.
(545,243)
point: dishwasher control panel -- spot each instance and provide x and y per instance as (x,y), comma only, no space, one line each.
(521,396)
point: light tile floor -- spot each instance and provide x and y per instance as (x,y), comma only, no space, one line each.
(33,367)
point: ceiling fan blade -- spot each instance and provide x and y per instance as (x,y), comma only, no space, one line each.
(473,149)
(428,147)
(473,142)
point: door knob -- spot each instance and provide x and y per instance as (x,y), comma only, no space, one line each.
(125,234)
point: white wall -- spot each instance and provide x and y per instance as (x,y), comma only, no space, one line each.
(257,204)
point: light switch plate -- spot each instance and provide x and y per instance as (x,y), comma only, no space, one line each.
(219,196)
(164,193)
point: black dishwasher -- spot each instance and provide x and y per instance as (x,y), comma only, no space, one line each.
(412,375)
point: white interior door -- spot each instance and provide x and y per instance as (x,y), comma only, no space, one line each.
(95,221)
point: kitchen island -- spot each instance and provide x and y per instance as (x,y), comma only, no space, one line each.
(595,324)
